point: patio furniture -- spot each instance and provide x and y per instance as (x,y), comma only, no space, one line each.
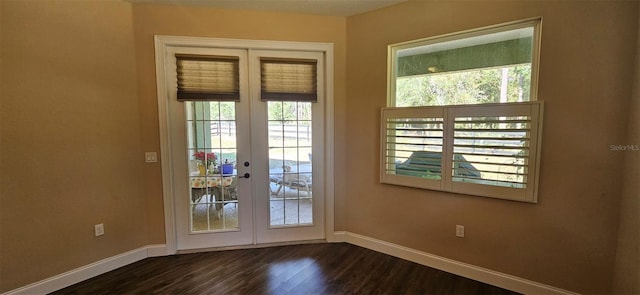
(223,188)
(424,163)
(292,179)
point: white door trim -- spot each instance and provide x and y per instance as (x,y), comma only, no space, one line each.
(162,43)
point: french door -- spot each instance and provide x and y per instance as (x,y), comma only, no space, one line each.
(246,171)
(287,133)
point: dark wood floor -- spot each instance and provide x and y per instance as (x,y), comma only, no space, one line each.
(301,269)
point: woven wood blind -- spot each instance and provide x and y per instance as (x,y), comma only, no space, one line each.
(208,78)
(288,79)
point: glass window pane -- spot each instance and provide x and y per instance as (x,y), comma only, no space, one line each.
(290,169)
(275,111)
(211,137)
(480,67)
(304,111)
(227,110)
(506,84)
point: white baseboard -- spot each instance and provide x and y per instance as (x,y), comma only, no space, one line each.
(337,237)
(89,271)
(156,250)
(473,272)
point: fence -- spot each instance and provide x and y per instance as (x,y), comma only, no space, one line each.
(286,131)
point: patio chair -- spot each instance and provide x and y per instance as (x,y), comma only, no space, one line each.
(291,179)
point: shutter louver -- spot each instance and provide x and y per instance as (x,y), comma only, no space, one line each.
(208,78)
(491,150)
(288,80)
(412,147)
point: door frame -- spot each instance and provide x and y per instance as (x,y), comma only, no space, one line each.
(162,44)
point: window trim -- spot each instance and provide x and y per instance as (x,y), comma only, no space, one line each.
(535,22)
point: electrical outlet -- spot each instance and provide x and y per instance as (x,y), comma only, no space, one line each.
(99,229)
(460,231)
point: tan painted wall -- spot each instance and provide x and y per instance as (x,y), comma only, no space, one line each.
(71,155)
(80,133)
(569,238)
(76,119)
(627,271)
(150,20)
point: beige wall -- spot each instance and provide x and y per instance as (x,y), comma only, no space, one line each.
(569,238)
(627,271)
(76,118)
(71,155)
(150,20)
(78,108)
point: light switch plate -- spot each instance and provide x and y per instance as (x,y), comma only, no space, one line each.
(99,229)
(151,157)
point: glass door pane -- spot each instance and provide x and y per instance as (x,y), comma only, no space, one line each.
(290,168)
(211,156)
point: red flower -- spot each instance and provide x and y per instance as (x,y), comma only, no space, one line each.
(209,158)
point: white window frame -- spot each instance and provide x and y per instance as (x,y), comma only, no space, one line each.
(448,113)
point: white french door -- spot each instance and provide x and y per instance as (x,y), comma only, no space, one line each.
(243,172)
(212,208)
(289,190)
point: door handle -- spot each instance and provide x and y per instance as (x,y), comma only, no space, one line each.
(246,175)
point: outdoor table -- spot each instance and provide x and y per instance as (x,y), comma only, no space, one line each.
(212,184)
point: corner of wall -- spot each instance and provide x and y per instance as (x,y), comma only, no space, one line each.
(627,263)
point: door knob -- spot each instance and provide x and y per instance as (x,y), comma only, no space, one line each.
(246,175)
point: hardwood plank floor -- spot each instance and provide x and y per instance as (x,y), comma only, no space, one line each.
(301,269)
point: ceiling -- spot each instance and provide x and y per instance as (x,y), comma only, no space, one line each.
(319,7)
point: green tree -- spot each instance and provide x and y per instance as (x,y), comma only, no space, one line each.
(463,87)
(289,110)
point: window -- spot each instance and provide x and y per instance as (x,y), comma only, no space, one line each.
(463,115)
(489,65)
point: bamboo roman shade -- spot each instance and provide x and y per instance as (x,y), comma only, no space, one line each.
(288,79)
(208,77)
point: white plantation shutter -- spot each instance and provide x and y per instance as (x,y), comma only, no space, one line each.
(489,150)
(412,146)
(501,142)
